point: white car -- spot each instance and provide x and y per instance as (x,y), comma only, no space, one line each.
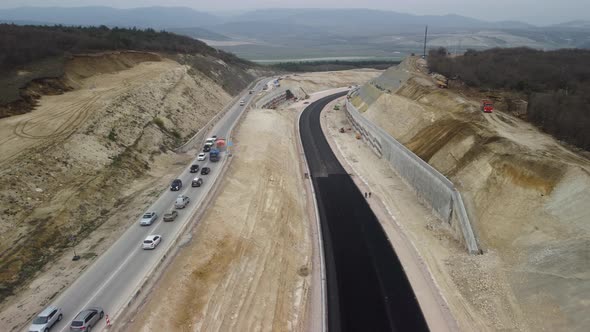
(151,242)
(242,103)
(201,156)
(46,319)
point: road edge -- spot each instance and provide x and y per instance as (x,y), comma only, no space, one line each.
(415,258)
(318,244)
(144,289)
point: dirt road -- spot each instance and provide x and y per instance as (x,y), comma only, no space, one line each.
(248,263)
(314,82)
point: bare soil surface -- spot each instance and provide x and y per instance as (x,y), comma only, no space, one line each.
(251,263)
(83,165)
(247,266)
(439,254)
(315,82)
(527,194)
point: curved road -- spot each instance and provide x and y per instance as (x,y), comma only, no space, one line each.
(113,279)
(367,288)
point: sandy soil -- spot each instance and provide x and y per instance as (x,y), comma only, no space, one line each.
(248,263)
(527,194)
(87,163)
(314,82)
(442,255)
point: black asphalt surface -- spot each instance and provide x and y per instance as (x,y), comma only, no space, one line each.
(366,284)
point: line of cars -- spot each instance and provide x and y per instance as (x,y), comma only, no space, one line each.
(85,320)
(148,218)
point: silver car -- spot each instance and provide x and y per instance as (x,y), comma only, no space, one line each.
(148,218)
(46,319)
(86,319)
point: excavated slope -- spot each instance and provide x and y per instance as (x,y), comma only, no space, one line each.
(527,193)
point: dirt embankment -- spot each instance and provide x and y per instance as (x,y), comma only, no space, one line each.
(89,159)
(56,76)
(314,82)
(527,195)
(247,265)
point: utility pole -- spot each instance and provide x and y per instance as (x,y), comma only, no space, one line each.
(425,34)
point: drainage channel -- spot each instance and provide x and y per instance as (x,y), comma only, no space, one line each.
(367,288)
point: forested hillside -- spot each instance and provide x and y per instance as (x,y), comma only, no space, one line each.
(37,56)
(24,44)
(556,84)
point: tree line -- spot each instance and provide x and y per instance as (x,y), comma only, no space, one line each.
(21,45)
(556,84)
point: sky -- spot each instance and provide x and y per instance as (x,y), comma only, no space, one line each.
(537,12)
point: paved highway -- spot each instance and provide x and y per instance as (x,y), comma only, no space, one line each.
(367,289)
(112,279)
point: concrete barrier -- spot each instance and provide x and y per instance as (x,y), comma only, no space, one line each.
(433,188)
(273,98)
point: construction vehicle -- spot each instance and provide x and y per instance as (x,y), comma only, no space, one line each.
(214,155)
(441,80)
(487,106)
(305,95)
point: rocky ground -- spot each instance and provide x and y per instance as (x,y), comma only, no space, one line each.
(526,193)
(83,165)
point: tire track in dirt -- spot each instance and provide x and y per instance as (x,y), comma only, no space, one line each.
(528,135)
(72,117)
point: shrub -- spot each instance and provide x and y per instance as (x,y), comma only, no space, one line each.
(160,123)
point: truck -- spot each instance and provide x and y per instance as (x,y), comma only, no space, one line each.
(220,143)
(214,155)
(487,106)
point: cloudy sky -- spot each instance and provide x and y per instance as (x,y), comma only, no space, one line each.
(539,12)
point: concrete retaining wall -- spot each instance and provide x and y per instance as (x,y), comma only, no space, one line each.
(432,187)
(273,98)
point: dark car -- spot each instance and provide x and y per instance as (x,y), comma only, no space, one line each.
(194,168)
(197,182)
(87,319)
(205,170)
(207,148)
(176,185)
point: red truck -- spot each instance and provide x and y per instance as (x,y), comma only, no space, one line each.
(487,106)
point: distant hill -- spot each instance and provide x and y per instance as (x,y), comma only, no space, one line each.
(577,24)
(364,19)
(148,17)
(316,33)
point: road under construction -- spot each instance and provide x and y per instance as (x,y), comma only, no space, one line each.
(367,289)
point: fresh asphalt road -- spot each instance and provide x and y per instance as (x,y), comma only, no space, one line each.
(367,289)
(112,279)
